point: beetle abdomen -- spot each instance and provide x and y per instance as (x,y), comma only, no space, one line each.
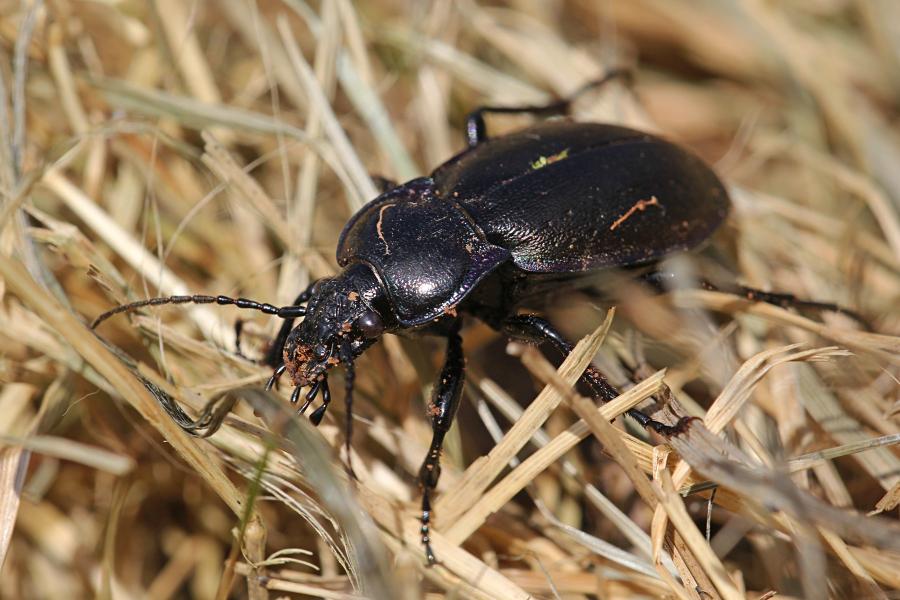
(572,197)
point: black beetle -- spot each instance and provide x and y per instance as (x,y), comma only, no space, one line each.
(500,224)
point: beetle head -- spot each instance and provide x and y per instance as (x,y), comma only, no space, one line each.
(340,324)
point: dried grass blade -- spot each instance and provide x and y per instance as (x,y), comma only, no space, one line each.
(600,547)
(186,51)
(823,406)
(453,504)
(889,501)
(673,506)
(95,458)
(457,568)
(842,551)
(363,188)
(223,164)
(86,343)
(552,450)
(492,83)
(741,385)
(652,495)
(709,455)
(884,347)
(193,113)
(811,459)
(369,106)
(135,254)
(514,482)
(13,466)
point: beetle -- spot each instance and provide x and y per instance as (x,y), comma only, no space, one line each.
(496,227)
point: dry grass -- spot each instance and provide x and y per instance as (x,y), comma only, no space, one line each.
(164,147)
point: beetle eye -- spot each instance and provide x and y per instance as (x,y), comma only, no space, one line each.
(320,352)
(369,324)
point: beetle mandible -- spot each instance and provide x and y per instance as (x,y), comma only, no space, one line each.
(498,225)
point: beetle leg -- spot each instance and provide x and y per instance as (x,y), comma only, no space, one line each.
(273,356)
(384,184)
(790,301)
(346,356)
(657,280)
(535,329)
(442,410)
(476,132)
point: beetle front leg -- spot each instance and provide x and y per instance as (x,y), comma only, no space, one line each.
(442,410)
(535,329)
(273,356)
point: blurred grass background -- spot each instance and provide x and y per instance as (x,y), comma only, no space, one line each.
(166,146)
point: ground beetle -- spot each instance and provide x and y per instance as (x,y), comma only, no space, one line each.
(497,226)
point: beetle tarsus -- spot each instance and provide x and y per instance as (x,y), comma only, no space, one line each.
(790,301)
(785,300)
(662,281)
(425,530)
(668,431)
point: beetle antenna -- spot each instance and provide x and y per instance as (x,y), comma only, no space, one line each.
(283,312)
(349,380)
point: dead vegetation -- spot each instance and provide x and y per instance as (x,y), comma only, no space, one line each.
(170,147)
